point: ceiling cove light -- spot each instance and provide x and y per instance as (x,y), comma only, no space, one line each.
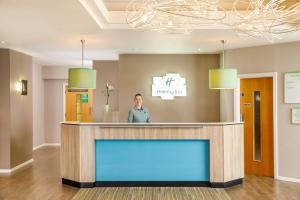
(222,78)
(248,18)
(82,78)
(173,16)
(265,18)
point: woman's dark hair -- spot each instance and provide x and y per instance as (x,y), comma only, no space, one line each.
(138,94)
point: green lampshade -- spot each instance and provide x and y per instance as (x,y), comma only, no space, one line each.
(82,78)
(220,78)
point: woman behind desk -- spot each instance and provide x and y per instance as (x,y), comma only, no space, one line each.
(139,113)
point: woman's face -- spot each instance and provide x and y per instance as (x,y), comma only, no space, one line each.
(138,101)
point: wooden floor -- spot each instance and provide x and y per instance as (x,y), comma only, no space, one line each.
(41,181)
(151,193)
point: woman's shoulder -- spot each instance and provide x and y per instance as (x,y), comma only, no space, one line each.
(146,109)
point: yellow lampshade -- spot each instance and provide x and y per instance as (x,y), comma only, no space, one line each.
(82,78)
(220,78)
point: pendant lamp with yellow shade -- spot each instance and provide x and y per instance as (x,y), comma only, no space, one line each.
(81,78)
(222,78)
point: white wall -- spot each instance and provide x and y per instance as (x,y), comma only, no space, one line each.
(55,72)
(38,106)
(54,77)
(54,113)
(279,58)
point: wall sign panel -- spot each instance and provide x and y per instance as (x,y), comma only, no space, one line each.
(296,115)
(169,86)
(292,87)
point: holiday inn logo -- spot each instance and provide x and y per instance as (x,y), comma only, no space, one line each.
(169,86)
(169,81)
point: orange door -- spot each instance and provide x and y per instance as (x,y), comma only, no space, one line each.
(257,112)
(86,104)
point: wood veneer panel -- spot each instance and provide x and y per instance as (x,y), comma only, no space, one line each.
(233,152)
(216,153)
(87,154)
(70,153)
(142,133)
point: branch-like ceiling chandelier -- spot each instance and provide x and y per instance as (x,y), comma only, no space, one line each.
(250,18)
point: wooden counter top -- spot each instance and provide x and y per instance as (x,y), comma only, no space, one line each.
(156,125)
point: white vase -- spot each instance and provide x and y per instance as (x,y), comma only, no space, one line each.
(106,108)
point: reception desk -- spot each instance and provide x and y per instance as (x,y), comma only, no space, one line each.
(155,154)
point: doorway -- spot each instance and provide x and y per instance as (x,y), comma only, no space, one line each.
(78,104)
(256,107)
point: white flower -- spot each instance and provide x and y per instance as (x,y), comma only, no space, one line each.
(111,88)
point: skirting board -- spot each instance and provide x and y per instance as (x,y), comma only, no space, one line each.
(282,178)
(7,171)
(151,184)
(46,144)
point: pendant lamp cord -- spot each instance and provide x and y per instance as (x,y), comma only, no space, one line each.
(223,59)
(82,51)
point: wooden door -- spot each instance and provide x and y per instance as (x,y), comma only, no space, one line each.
(85,107)
(256,106)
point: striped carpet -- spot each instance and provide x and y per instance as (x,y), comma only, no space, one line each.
(152,193)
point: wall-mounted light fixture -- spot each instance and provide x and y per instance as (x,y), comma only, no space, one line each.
(21,87)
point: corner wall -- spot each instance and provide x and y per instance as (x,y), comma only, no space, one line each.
(279,58)
(107,72)
(54,112)
(21,119)
(53,77)
(4,109)
(16,109)
(38,106)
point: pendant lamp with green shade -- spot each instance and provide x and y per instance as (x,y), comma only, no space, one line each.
(222,78)
(81,78)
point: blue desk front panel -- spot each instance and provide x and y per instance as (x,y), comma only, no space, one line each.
(152,160)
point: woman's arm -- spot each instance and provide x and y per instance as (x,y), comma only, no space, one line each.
(130,117)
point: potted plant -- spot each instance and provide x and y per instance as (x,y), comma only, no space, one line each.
(108,91)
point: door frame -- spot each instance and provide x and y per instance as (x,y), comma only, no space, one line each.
(64,99)
(275,109)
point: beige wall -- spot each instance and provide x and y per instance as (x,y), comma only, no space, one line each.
(54,112)
(135,76)
(107,72)
(38,106)
(16,109)
(21,109)
(4,109)
(279,58)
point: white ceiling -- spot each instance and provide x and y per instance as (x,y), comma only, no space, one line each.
(50,30)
